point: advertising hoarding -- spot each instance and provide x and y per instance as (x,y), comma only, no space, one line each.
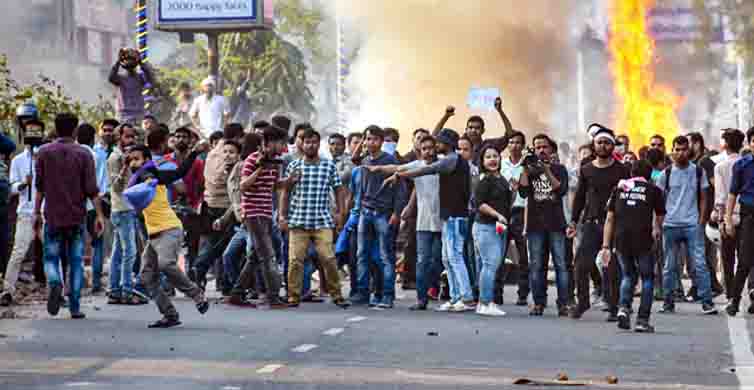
(212,15)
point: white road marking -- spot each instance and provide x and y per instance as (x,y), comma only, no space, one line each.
(269,369)
(356,319)
(333,332)
(304,348)
(80,384)
(743,358)
(231,388)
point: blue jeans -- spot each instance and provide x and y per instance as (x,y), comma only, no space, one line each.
(537,251)
(56,240)
(453,244)
(633,267)
(373,227)
(491,248)
(694,238)
(124,253)
(234,252)
(428,262)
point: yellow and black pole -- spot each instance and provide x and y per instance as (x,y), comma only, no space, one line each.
(142,42)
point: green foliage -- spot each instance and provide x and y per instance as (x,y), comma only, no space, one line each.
(50,98)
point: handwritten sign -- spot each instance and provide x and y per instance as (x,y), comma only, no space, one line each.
(482,98)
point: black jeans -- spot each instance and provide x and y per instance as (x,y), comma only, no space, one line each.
(746,254)
(516,234)
(589,247)
(214,244)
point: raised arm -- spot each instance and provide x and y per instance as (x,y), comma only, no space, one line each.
(167,177)
(114,78)
(449,112)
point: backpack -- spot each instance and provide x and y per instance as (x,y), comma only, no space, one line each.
(699,174)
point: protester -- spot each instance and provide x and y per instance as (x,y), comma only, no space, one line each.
(741,194)
(511,169)
(65,180)
(130,105)
(685,186)
(635,213)
(309,219)
(209,110)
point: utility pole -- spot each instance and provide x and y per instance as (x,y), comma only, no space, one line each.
(213,56)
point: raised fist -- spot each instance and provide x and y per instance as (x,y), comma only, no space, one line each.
(450,111)
(498,103)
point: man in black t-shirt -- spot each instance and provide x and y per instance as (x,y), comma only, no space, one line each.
(635,213)
(596,182)
(544,185)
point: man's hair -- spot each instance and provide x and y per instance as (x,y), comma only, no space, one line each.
(394,133)
(750,134)
(122,127)
(261,124)
(85,134)
(110,122)
(464,138)
(352,136)
(641,168)
(184,130)
(655,157)
(251,144)
(299,128)
(150,117)
(143,149)
(234,143)
(680,140)
(311,133)
(420,130)
(232,131)
(376,131)
(553,146)
(428,138)
(657,136)
(215,136)
(163,127)
(475,118)
(697,138)
(589,147)
(65,124)
(643,152)
(156,138)
(336,136)
(517,133)
(623,137)
(734,139)
(541,136)
(282,122)
(274,134)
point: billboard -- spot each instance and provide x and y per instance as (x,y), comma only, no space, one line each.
(213,15)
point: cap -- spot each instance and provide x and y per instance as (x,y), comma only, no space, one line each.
(597,132)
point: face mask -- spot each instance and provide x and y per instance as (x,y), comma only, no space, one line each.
(389,147)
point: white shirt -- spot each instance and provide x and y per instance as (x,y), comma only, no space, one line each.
(211,113)
(20,167)
(723,177)
(427,200)
(509,170)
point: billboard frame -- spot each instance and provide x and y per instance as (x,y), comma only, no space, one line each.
(204,25)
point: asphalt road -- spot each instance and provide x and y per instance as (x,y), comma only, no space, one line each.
(319,346)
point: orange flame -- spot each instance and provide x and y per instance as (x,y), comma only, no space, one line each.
(645,107)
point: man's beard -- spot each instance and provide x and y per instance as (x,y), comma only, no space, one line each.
(181,147)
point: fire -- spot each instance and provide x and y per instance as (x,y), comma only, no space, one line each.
(645,107)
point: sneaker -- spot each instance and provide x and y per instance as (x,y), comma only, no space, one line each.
(667,309)
(78,316)
(612,317)
(275,302)
(481,309)
(563,311)
(374,301)
(596,299)
(445,307)
(203,305)
(419,306)
(537,310)
(731,309)
(642,326)
(460,307)
(386,303)
(492,310)
(239,300)
(576,312)
(624,319)
(522,301)
(6,299)
(709,309)
(165,322)
(54,299)
(342,303)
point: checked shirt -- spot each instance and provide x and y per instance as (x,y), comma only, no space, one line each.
(310,206)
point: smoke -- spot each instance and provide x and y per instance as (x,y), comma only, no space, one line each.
(418,56)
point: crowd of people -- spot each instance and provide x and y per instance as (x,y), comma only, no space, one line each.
(466,213)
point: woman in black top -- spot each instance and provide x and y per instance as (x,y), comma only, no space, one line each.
(494,197)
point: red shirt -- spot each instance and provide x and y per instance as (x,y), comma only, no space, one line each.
(194,181)
(258,201)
